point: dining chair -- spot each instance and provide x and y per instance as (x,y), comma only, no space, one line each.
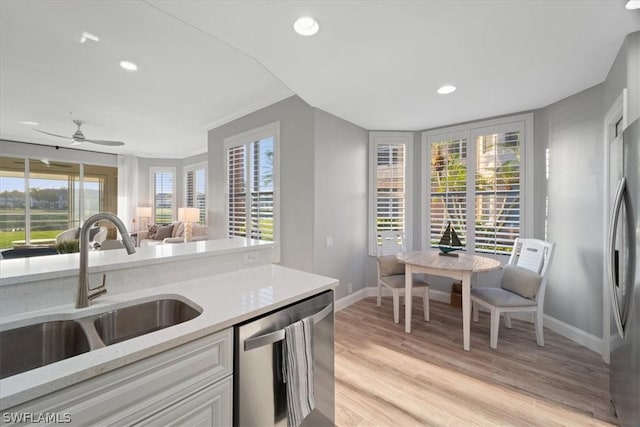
(522,287)
(391,272)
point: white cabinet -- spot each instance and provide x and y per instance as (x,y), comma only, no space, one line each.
(208,407)
(187,385)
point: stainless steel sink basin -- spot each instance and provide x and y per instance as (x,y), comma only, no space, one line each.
(29,347)
(130,322)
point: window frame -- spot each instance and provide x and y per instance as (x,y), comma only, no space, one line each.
(270,130)
(524,123)
(193,168)
(152,171)
(383,138)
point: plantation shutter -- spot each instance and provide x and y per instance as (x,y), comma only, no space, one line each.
(448,184)
(163,197)
(390,199)
(196,192)
(237,191)
(261,167)
(497,191)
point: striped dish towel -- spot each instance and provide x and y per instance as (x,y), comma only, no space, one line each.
(298,370)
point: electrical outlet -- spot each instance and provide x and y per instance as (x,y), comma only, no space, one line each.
(250,257)
(328,241)
(350,288)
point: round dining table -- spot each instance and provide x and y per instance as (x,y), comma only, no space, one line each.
(459,266)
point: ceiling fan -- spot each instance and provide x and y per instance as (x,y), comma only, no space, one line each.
(78,137)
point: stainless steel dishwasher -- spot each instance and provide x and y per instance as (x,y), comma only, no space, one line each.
(260,398)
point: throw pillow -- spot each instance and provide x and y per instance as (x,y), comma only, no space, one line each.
(178,229)
(163,232)
(153,229)
(199,230)
(520,281)
(389,265)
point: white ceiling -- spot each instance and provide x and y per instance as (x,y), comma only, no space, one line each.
(374,63)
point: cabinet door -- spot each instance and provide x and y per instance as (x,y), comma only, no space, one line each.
(210,407)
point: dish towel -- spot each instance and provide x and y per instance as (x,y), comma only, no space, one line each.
(297,365)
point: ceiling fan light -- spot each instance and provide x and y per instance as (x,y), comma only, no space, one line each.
(128,65)
(75,143)
(632,5)
(306,26)
(446,89)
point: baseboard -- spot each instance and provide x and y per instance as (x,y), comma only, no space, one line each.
(579,336)
(370,291)
(352,298)
(576,335)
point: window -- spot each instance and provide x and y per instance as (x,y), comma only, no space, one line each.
(390,185)
(195,179)
(475,177)
(164,194)
(40,198)
(252,182)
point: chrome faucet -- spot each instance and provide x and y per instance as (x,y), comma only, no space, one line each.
(85,293)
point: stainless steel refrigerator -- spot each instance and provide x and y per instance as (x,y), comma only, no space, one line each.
(624,272)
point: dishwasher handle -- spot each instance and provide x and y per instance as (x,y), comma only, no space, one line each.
(273,337)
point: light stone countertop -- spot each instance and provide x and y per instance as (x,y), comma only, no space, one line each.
(225,299)
(22,270)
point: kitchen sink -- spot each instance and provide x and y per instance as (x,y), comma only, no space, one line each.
(33,346)
(130,322)
(29,347)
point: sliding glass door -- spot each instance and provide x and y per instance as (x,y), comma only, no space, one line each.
(41,198)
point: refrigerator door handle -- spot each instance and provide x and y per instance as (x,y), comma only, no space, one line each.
(611,250)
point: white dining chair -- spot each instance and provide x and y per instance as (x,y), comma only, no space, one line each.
(522,287)
(391,272)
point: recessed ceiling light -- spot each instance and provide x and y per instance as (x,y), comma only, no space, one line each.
(28,123)
(632,4)
(88,36)
(129,66)
(446,89)
(306,26)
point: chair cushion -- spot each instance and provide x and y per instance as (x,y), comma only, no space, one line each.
(397,281)
(501,297)
(520,281)
(389,265)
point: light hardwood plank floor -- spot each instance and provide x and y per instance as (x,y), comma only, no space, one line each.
(385,377)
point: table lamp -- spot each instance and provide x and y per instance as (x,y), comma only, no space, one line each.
(144,213)
(188,216)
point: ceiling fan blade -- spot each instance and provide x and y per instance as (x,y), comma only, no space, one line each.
(104,142)
(52,134)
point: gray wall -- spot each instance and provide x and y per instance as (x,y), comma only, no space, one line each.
(323,188)
(572,129)
(340,199)
(296,119)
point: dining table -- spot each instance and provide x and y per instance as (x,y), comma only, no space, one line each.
(460,266)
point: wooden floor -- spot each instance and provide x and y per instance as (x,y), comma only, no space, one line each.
(385,377)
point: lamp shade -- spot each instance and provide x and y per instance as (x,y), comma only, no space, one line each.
(189,214)
(143,212)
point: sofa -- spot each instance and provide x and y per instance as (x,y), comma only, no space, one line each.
(96,234)
(171,233)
